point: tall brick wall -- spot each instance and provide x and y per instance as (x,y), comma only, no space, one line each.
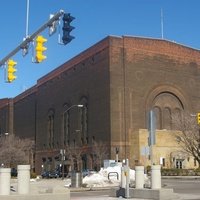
(120,79)
(149,71)
(4,116)
(86,82)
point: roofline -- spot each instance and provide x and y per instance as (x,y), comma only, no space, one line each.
(4,102)
(165,40)
(102,44)
(26,93)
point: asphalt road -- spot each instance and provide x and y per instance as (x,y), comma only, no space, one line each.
(186,188)
(97,193)
(183,186)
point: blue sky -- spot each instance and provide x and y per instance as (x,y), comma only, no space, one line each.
(95,19)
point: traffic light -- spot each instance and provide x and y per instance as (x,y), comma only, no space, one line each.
(198,118)
(39,49)
(11,70)
(67,28)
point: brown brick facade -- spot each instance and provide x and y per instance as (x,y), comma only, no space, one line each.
(118,81)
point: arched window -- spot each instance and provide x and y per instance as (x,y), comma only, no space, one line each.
(167,119)
(50,128)
(158,116)
(66,127)
(178,114)
(164,105)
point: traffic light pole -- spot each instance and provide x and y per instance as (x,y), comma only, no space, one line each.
(30,38)
(152,136)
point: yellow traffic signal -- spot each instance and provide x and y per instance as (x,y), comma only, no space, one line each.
(198,118)
(11,70)
(39,57)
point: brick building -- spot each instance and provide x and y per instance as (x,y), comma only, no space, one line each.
(118,80)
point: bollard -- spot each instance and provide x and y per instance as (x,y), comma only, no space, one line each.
(23,179)
(155,177)
(5,181)
(139,177)
(127,174)
(123,178)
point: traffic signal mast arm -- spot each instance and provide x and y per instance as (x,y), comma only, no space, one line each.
(30,38)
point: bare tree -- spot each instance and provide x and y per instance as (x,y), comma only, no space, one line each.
(188,135)
(76,153)
(74,156)
(100,152)
(14,150)
(69,157)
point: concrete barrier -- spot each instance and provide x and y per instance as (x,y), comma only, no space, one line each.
(5,181)
(139,177)
(155,177)
(23,178)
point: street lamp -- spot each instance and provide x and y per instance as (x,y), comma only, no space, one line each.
(76,105)
(62,151)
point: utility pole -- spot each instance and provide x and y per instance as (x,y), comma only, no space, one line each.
(162,25)
(27,19)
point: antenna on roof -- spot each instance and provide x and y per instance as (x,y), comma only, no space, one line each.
(161,15)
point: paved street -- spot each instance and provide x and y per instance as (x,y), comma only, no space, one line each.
(183,186)
(188,189)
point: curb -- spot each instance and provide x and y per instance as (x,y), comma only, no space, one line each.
(180,177)
(89,189)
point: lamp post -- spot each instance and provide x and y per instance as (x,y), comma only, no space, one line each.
(76,105)
(62,151)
